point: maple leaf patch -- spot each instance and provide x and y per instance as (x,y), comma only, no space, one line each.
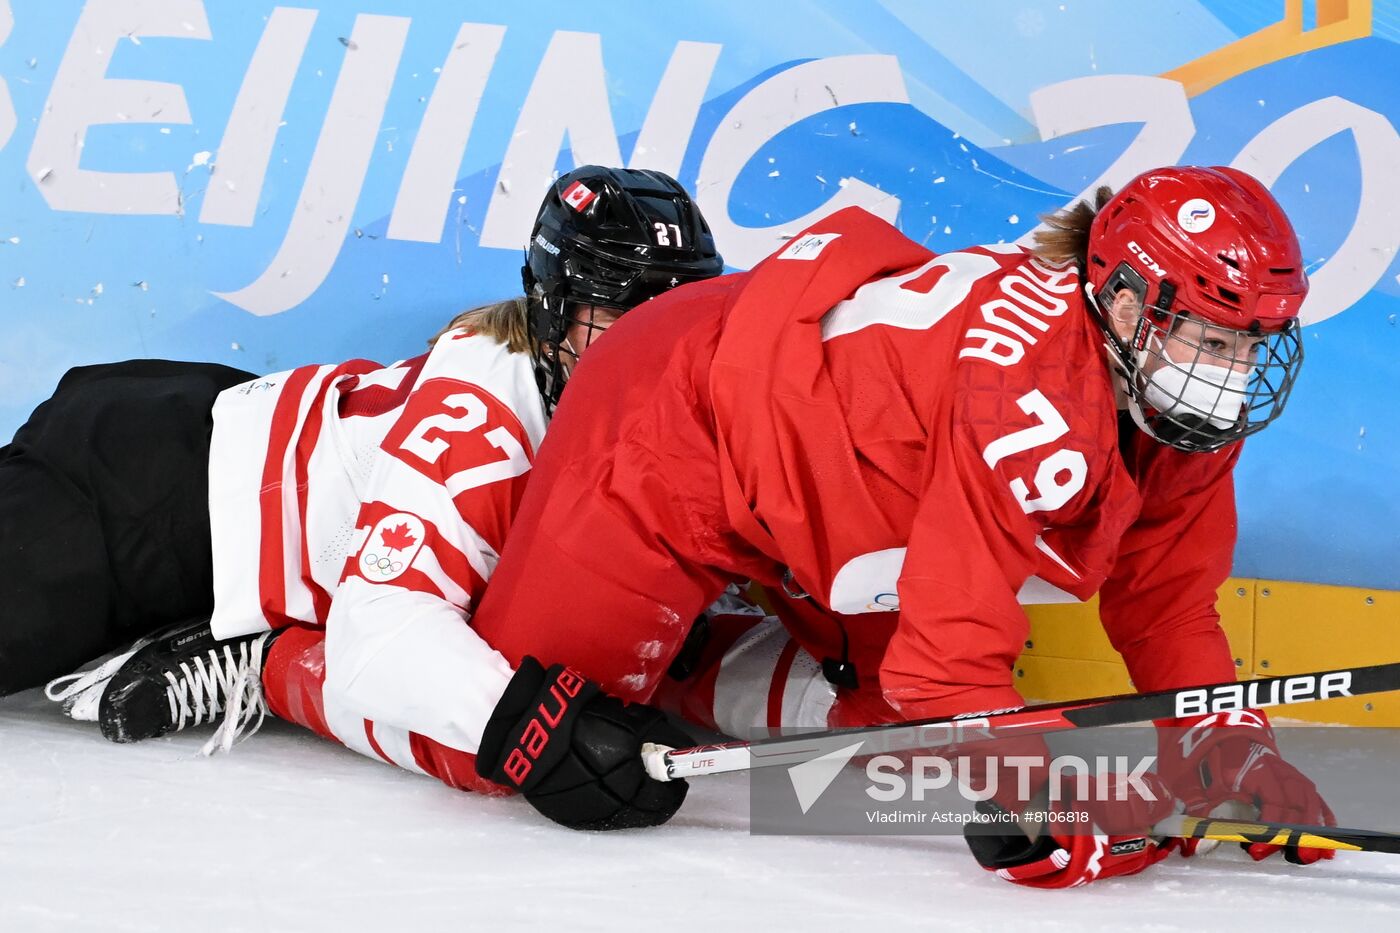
(390,547)
(398,538)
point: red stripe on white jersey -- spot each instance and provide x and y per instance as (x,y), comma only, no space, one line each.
(427,562)
(373,743)
(371,401)
(306,445)
(271,582)
(778,685)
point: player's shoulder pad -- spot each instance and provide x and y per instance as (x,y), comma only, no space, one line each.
(466,355)
(1034,396)
(1022,306)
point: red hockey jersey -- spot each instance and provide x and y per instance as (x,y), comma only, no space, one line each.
(930,440)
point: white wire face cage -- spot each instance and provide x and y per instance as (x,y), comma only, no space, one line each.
(1198,386)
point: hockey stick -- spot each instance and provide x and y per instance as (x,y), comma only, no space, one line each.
(665,764)
(1279,834)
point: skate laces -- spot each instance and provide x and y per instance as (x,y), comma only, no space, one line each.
(81,693)
(220,681)
(225,679)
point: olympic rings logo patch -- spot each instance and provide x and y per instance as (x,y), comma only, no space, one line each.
(884,602)
(391,546)
(382,565)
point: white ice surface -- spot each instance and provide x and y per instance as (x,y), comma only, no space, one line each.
(291,833)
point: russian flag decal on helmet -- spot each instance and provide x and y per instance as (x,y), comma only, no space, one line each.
(1196,215)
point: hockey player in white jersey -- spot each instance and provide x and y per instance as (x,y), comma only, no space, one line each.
(354,512)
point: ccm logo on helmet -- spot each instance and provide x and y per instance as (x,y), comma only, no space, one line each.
(540,729)
(1146,259)
(1249,695)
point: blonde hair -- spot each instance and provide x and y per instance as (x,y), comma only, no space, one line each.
(507,321)
(1067,239)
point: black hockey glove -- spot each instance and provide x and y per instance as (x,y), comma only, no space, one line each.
(575,753)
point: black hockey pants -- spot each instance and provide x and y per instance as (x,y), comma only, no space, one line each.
(104,515)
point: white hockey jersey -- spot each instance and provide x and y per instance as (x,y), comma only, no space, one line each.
(375,501)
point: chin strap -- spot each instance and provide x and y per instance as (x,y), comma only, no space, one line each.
(1126,362)
(1116,351)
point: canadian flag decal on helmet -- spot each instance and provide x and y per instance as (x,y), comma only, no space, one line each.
(578,196)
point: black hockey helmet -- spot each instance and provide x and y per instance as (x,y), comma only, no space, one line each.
(611,237)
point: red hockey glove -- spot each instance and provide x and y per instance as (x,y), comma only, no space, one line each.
(1223,758)
(1083,840)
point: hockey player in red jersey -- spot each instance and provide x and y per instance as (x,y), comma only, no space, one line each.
(874,429)
(356,512)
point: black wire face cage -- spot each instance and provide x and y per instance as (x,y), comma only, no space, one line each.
(550,372)
(1198,386)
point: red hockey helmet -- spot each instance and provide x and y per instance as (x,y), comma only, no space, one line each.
(1216,266)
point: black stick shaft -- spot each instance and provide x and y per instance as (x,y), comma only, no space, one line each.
(1285,690)
(1283,834)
